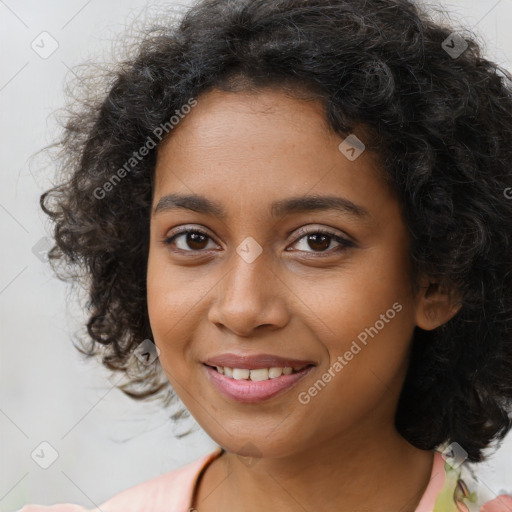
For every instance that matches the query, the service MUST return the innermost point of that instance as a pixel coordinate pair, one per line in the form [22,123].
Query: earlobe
[436,305]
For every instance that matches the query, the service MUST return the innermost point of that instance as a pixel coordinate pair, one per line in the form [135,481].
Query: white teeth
[275,372]
[257,374]
[239,374]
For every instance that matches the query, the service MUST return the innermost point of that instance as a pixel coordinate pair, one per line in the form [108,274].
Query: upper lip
[253,362]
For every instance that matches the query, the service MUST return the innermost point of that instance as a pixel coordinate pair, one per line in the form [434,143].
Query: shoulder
[171,491]
[61,507]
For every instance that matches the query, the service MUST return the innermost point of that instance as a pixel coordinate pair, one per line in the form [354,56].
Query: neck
[378,473]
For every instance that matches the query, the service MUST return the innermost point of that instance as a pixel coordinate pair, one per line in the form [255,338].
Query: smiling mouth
[255,385]
[257,374]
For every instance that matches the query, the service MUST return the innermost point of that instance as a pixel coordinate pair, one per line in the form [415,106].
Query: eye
[193,238]
[321,239]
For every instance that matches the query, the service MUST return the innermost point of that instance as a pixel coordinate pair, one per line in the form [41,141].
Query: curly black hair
[438,114]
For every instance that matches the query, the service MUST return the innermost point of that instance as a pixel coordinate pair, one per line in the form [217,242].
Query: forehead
[253,147]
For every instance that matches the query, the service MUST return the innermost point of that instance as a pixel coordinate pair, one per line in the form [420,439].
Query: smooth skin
[299,298]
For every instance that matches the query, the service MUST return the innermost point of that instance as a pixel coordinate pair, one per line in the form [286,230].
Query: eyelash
[344,243]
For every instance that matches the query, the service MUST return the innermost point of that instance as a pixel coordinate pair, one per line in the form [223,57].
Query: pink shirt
[449,489]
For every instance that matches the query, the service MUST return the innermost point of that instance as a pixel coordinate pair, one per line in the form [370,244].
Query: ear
[436,304]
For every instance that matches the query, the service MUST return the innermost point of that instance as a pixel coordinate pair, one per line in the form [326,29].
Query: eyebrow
[281,208]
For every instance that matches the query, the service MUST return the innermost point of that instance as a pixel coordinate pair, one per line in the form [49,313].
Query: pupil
[315,239]
[192,238]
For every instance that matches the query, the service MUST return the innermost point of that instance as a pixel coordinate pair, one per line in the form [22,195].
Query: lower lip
[248,391]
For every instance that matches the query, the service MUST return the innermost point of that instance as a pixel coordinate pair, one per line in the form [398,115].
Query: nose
[250,295]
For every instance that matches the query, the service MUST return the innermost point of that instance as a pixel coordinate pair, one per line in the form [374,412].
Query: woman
[295,214]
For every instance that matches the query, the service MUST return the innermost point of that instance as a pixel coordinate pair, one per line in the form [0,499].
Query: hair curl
[441,125]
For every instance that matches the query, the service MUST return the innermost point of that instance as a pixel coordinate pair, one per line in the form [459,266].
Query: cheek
[166,306]
[170,293]
[365,317]
[157,298]
[176,298]
[356,298]
[359,379]
[176,288]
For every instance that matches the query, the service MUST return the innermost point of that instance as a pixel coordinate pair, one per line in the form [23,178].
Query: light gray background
[106,442]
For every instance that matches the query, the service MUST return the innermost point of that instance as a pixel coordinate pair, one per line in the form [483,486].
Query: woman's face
[255,285]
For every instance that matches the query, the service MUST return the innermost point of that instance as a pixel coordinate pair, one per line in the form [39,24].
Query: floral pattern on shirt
[464,492]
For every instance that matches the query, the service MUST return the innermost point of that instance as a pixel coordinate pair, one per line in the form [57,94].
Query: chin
[259,445]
